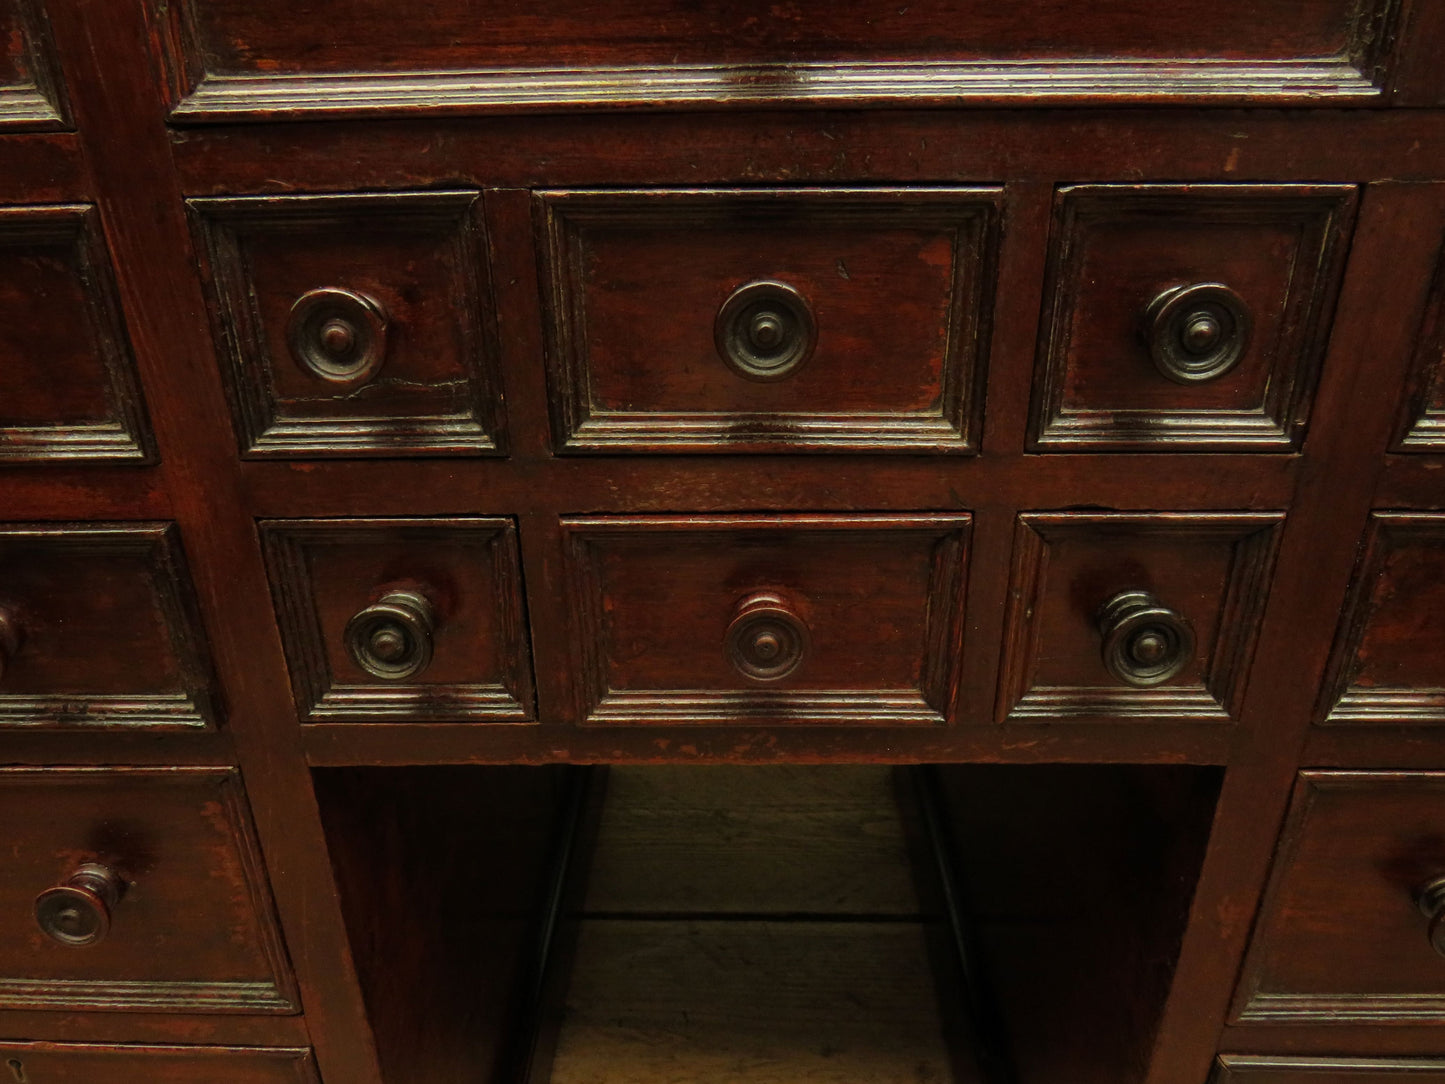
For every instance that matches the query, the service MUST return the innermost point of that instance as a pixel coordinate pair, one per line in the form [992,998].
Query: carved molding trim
[1422,425]
[321,698]
[1255,538]
[125,434]
[278,995]
[297,1060]
[970,215]
[597,704]
[194,705]
[222,224]
[1343,701]
[37,103]
[1297,1069]
[1323,215]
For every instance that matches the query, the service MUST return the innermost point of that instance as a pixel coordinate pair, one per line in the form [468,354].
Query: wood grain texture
[899,282]
[420,258]
[69,590]
[228,60]
[1340,938]
[1116,247]
[68,387]
[1213,570]
[325,571]
[879,595]
[194,929]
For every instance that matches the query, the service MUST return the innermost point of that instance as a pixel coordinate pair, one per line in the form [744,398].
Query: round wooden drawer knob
[1197,333]
[78,912]
[337,335]
[765,331]
[1432,905]
[766,640]
[1145,642]
[392,639]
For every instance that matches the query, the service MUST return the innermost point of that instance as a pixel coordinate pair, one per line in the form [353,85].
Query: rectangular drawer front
[786,320]
[517,53]
[74,1063]
[1341,937]
[192,929]
[792,619]
[98,628]
[1247,1069]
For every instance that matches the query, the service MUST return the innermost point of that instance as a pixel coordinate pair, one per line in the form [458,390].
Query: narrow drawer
[354,325]
[1388,664]
[68,388]
[398,620]
[1250,1069]
[1182,318]
[98,629]
[134,889]
[785,320]
[796,620]
[1352,927]
[234,59]
[75,1063]
[1127,616]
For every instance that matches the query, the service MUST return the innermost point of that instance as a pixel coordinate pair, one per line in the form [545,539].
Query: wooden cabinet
[405,407]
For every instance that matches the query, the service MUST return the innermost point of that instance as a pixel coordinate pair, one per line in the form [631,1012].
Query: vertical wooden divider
[118,109]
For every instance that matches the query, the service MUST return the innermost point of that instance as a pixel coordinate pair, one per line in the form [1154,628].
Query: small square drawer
[98,628]
[68,388]
[83,1063]
[1253,1069]
[1122,616]
[797,620]
[786,320]
[1352,927]
[354,325]
[402,619]
[1389,658]
[1187,318]
[134,889]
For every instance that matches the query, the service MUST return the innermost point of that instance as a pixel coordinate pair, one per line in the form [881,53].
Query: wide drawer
[792,620]
[75,1063]
[136,889]
[232,58]
[777,320]
[1250,1069]
[1352,927]
[98,628]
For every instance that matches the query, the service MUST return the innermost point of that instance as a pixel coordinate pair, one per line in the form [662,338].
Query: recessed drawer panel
[1389,659]
[1352,928]
[1123,616]
[136,889]
[1422,428]
[237,58]
[402,619]
[76,1063]
[354,325]
[800,320]
[68,389]
[28,96]
[1187,318]
[797,620]
[1252,1069]
[97,628]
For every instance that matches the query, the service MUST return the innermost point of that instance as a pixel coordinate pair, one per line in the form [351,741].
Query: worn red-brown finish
[989,449]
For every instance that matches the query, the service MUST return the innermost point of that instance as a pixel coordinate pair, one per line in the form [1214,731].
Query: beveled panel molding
[68,387]
[31,98]
[1206,574]
[1422,425]
[402,619]
[1186,318]
[865,317]
[782,620]
[354,325]
[98,628]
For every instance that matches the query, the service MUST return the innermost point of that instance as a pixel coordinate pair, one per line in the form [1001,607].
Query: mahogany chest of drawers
[402,402]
